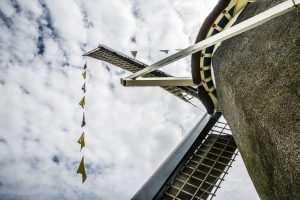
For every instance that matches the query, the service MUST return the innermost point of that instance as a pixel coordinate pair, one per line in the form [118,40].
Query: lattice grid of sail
[204,171]
[111,56]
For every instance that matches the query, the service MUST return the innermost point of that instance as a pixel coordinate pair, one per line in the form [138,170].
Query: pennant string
[166,51]
[81,140]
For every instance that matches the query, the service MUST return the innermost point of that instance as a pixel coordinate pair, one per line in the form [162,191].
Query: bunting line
[81,140]
[166,51]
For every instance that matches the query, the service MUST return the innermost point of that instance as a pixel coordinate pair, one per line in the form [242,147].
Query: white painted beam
[158,81]
[237,29]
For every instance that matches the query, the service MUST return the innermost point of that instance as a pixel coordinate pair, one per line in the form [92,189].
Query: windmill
[198,165]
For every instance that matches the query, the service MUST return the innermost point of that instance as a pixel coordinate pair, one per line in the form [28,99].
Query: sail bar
[172,165]
[237,29]
[158,81]
[202,172]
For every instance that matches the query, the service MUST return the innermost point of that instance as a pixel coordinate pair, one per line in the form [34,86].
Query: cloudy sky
[129,131]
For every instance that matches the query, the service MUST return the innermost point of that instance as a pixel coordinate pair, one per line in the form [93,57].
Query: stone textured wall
[258,84]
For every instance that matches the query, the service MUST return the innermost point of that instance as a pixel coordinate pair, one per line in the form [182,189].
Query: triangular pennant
[81,170]
[82,102]
[133,53]
[84,67]
[165,51]
[84,74]
[83,121]
[83,88]
[81,141]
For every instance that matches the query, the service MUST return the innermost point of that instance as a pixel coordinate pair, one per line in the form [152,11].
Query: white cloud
[129,132]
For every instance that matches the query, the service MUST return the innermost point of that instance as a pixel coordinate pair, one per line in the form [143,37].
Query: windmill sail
[200,176]
[196,167]
[111,56]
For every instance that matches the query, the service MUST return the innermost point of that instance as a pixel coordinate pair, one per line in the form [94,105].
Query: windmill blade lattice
[203,172]
[104,53]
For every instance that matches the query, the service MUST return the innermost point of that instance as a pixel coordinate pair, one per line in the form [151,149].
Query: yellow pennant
[81,141]
[81,169]
[82,102]
[84,74]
